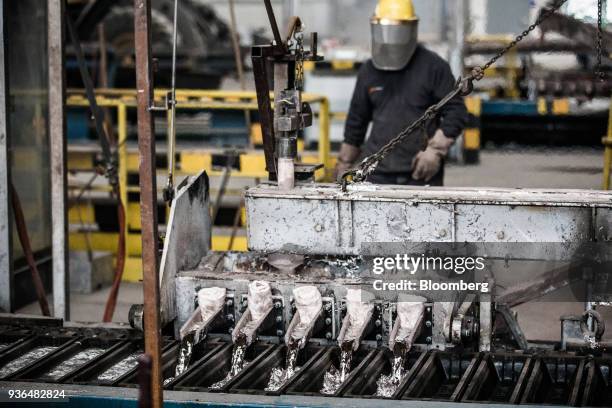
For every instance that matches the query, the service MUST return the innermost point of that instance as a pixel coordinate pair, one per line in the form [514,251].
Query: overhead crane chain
[464,87]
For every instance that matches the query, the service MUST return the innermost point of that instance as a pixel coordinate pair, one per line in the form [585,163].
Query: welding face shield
[394,34]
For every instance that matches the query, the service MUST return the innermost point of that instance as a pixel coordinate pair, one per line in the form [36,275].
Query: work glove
[428,162]
[346,158]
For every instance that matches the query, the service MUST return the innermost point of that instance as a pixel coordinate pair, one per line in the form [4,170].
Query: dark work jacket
[392,100]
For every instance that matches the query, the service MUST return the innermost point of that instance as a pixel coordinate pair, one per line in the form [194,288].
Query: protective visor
[393,43]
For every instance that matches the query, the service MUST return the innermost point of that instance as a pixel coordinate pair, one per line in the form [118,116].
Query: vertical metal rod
[172,119]
[458,49]
[275,32]
[239,64]
[144,381]
[607,141]
[6,277]
[324,139]
[259,56]
[148,195]
[57,141]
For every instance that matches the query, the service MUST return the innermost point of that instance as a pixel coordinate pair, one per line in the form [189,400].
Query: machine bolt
[279,333]
[230,317]
[343,306]
[328,336]
[245,303]
[318,228]
[428,323]
[501,235]
[442,233]
[428,340]
[327,307]
[377,322]
[229,303]
[279,319]
[278,305]
[230,330]
[328,321]
[378,337]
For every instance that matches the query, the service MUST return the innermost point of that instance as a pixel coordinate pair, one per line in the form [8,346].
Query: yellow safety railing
[205,100]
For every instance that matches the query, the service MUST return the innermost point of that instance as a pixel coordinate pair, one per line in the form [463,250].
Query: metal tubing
[148,195]
[6,277]
[275,31]
[324,139]
[59,180]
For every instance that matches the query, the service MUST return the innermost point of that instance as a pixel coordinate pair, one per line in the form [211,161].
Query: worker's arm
[454,115]
[427,163]
[357,121]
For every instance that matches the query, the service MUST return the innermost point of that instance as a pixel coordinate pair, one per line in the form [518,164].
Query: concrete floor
[500,167]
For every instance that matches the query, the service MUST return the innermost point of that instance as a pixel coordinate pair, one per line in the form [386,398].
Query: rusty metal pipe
[24,238]
[148,195]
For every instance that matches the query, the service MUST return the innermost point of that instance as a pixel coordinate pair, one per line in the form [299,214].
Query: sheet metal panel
[322,219]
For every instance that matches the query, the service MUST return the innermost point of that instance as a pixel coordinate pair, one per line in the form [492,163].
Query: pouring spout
[407,327]
[359,312]
[309,305]
[260,305]
[210,305]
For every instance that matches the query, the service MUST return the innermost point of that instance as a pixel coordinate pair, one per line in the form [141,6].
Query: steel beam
[148,194]
[457,54]
[6,279]
[58,155]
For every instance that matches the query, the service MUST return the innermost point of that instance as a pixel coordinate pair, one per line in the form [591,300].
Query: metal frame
[6,278]
[252,162]
[58,159]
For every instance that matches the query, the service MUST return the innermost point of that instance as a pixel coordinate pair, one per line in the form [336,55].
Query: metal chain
[598,70]
[464,87]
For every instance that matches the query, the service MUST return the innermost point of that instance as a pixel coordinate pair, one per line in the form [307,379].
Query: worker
[393,89]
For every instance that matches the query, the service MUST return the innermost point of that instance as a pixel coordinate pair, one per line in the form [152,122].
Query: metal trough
[364,384]
[499,378]
[310,381]
[555,381]
[64,363]
[200,377]
[443,377]
[257,378]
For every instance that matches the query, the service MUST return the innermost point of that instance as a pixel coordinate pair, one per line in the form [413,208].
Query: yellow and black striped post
[471,135]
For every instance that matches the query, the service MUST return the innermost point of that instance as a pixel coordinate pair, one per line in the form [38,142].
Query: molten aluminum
[184,357]
[119,369]
[334,378]
[25,359]
[387,384]
[78,360]
[279,375]
[238,364]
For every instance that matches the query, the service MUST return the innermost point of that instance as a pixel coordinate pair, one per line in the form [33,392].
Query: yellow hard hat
[395,10]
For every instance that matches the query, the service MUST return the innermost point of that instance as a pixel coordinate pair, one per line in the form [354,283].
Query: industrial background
[121,120]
